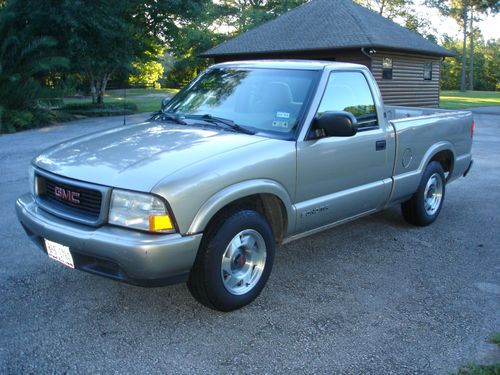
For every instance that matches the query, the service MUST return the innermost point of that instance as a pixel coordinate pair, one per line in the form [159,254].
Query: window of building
[387,68]
[428,70]
[349,91]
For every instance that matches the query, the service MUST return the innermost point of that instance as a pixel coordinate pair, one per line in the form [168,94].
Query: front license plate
[60,253]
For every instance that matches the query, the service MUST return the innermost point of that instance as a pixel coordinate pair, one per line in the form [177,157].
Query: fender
[237,191]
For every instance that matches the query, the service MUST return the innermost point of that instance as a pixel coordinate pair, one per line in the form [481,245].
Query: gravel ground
[373,296]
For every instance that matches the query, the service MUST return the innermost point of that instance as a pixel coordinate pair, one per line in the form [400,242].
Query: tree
[103,38]
[204,31]
[460,10]
[147,72]
[24,57]
[476,9]
[111,37]
[487,60]
[243,15]
[401,11]
[388,8]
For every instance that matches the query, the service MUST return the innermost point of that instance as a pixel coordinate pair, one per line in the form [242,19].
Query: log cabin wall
[408,87]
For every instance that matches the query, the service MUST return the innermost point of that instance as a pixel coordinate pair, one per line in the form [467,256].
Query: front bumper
[130,256]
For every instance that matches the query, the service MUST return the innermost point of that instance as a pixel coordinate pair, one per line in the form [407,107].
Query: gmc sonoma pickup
[248,156]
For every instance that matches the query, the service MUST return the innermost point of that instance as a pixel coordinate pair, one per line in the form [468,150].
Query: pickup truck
[248,156]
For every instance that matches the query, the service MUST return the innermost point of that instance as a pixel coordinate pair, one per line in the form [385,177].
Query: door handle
[380,145]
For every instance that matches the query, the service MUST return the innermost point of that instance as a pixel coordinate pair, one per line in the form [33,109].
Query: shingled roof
[327,25]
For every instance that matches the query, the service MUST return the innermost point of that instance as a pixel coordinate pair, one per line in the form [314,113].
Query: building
[405,65]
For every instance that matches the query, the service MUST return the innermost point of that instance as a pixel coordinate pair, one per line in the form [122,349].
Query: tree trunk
[471,51]
[464,48]
[93,90]
[102,88]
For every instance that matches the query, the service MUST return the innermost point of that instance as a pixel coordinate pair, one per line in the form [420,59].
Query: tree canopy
[51,45]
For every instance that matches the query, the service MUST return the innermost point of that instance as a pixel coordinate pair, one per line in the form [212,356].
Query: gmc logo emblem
[66,195]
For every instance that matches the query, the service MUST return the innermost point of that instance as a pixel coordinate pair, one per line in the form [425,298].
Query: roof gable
[327,24]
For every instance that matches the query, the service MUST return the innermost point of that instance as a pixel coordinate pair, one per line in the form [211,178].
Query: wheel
[424,206]
[234,261]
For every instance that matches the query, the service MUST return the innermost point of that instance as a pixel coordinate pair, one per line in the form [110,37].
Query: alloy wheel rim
[243,262]
[433,194]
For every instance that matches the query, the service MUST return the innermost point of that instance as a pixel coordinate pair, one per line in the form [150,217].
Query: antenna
[125,105]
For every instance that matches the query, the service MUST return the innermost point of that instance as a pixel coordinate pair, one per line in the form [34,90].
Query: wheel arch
[443,153]
[265,196]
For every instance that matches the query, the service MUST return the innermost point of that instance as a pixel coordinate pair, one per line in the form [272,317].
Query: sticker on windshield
[280,124]
[283,115]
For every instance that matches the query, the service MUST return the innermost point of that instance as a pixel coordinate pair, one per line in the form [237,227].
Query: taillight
[472,129]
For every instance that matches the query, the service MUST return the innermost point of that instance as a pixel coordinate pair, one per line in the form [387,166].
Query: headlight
[139,211]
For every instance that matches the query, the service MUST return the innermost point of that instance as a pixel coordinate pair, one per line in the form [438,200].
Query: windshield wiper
[167,116]
[221,122]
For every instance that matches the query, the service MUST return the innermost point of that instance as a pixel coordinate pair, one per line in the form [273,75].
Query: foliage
[243,15]
[230,16]
[107,38]
[388,8]
[479,370]
[152,41]
[194,40]
[486,62]
[147,72]
[474,369]
[464,12]
[24,57]
[403,12]
[495,338]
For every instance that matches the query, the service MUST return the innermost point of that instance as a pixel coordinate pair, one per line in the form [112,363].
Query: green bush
[100,110]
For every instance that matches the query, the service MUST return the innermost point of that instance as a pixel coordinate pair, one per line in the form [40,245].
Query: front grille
[69,198]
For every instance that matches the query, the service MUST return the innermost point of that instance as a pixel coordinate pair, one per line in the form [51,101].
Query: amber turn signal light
[160,223]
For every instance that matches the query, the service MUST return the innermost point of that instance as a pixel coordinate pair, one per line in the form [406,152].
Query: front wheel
[425,205]
[233,262]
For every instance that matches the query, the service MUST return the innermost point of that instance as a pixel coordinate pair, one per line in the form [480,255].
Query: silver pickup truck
[248,156]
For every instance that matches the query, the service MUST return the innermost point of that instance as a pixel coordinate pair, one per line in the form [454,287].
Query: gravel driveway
[373,296]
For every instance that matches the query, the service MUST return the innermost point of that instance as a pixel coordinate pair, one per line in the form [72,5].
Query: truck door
[341,177]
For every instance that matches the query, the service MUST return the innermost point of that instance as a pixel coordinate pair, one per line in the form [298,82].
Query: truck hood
[137,157]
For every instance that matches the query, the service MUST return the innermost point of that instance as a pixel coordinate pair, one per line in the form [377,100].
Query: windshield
[263,100]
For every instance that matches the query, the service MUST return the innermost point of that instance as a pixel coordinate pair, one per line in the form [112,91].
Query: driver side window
[349,92]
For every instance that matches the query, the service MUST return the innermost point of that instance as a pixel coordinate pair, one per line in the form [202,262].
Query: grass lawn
[458,99]
[147,100]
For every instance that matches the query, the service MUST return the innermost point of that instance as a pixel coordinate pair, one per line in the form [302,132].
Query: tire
[234,261]
[425,205]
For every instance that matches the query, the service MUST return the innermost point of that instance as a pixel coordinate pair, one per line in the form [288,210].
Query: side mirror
[335,124]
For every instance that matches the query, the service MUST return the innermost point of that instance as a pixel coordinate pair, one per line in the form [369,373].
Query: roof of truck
[287,64]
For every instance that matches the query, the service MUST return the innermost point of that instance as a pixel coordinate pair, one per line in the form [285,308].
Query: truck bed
[399,112]
[416,131]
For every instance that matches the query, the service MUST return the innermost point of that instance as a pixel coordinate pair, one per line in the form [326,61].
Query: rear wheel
[425,205]
[234,261]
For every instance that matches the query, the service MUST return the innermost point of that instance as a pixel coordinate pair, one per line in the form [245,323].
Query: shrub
[100,110]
